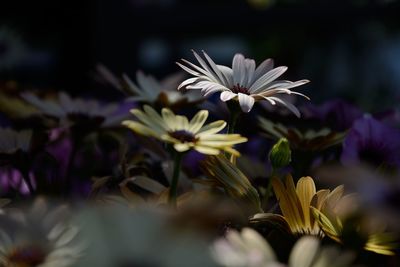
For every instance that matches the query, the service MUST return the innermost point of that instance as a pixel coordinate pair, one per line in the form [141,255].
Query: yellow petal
[182,147]
[140,128]
[198,121]
[306,190]
[212,128]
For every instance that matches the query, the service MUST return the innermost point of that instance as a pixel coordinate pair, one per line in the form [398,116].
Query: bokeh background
[348,49]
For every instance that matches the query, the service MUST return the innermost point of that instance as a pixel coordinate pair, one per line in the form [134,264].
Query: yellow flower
[184,134]
[296,202]
[331,223]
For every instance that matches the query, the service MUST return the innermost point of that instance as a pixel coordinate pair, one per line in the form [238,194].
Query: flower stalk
[173,191]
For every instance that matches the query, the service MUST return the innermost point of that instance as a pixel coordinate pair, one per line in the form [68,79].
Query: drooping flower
[249,249]
[372,142]
[39,237]
[243,82]
[184,134]
[236,184]
[295,203]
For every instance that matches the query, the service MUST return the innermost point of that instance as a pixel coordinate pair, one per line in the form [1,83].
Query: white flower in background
[150,90]
[39,237]
[249,249]
[72,110]
[243,82]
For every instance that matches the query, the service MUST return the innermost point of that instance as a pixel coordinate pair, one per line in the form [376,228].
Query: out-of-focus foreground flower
[250,249]
[39,237]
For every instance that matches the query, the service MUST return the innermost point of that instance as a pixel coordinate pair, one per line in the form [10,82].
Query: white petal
[188,70]
[206,67]
[246,102]
[227,95]
[266,79]
[216,69]
[228,73]
[187,82]
[263,68]
[238,68]
[289,105]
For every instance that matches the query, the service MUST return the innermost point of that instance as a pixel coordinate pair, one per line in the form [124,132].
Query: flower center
[183,136]
[240,89]
[26,256]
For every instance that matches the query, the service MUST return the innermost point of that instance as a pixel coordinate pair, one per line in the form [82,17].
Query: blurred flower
[296,202]
[243,82]
[337,114]
[331,213]
[249,249]
[309,140]
[16,149]
[151,91]
[39,237]
[15,107]
[372,142]
[84,115]
[144,237]
[244,249]
[229,177]
[182,134]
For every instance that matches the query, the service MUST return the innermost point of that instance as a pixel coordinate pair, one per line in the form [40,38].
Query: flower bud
[280,154]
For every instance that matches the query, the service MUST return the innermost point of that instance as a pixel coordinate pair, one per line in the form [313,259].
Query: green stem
[268,191]
[235,111]
[175,178]
[232,122]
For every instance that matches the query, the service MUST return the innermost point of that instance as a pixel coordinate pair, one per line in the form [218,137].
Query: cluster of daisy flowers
[172,177]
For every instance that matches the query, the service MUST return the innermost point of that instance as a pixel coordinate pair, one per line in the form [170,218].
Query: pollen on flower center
[26,256]
[183,136]
[240,89]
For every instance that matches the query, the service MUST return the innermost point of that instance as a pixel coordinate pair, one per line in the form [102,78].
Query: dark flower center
[240,89]
[183,136]
[27,256]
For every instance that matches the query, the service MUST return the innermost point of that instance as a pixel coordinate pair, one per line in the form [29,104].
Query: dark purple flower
[372,142]
[337,114]
[390,117]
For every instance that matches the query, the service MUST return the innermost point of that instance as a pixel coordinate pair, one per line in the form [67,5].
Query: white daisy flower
[243,82]
[39,237]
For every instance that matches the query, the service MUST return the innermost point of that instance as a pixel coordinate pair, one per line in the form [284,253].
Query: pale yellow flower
[183,134]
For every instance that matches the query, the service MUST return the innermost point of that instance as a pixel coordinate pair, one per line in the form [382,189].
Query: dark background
[348,49]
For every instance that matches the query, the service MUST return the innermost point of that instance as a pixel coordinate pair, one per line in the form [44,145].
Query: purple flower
[372,142]
[337,114]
